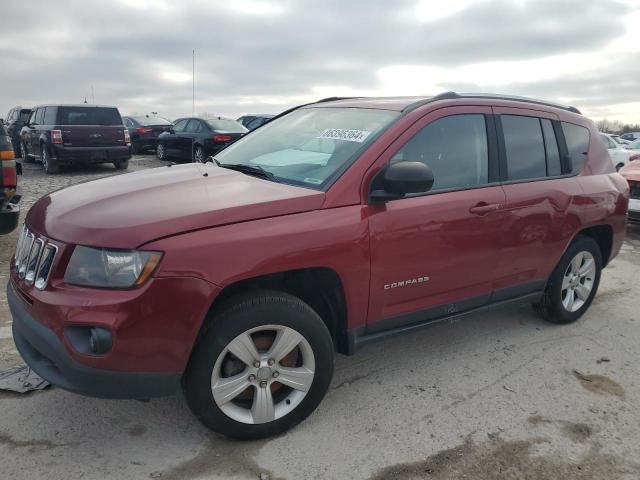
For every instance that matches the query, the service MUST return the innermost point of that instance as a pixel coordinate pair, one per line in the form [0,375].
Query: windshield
[310,146]
[226,125]
[152,121]
[88,116]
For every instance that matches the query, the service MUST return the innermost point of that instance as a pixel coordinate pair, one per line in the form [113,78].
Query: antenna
[193,84]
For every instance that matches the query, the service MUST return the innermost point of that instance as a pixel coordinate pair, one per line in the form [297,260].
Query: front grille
[635,190]
[34,258]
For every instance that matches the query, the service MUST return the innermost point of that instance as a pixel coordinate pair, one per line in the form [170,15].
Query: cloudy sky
[264,56]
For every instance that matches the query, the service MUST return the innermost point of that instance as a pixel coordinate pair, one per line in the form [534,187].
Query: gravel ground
[501,395]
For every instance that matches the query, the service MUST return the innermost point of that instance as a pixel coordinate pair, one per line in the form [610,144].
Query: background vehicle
[619,155]
[633,146]
[9,194]
[71,134]
[632,174]
[336,225]
[16,119]
[144,131]
[619,140]
[194,139]
[631,136]
[255,120]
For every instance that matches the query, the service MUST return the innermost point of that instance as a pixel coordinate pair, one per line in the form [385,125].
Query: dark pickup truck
[72,134]
[9,194]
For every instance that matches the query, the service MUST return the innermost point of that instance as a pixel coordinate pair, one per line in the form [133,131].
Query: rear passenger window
[524,147]
[554,167]
[50,116]
[577,138]
[455,148]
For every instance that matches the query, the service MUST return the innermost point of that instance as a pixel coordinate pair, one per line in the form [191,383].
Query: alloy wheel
[198,155]
[45,158]
[578,281]
[160,151]
[263,374]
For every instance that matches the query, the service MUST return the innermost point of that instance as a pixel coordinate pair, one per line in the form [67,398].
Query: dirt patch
[599,384]
[578,432]
[497,459]
[31,444]
[227,458]
[137,430]
[612,294]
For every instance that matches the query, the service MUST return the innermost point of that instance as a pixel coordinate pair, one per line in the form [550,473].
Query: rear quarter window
[577,139]
[89,116]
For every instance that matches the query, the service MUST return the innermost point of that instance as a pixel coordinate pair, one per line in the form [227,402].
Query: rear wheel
[619,166]
[262,366]
[573,283]
[121,165]
[48,164]
[198,154]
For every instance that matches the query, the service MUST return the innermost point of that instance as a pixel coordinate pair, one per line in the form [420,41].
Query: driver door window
[455,148]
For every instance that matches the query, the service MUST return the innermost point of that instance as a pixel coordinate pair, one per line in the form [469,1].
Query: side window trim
[565,158]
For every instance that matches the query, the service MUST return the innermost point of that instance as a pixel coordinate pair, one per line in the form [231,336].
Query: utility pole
[93,98]
[193,84]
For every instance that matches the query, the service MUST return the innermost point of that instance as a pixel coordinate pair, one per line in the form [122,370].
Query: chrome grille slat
[34,258]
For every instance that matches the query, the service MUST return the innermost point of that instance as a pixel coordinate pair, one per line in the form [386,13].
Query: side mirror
[403,178]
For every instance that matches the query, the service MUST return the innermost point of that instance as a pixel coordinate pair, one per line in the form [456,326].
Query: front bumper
[43,351]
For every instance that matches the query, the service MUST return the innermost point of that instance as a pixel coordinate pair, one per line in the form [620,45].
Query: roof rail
[454,95]
[333,99]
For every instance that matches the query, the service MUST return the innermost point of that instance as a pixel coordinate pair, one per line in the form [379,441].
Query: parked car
[9,193]
[72,134]
[631,136]
[16,119]
[144,131]
[619,140]
[632,174]
[335,225]
[195,139]
[255,120]
[634,146]
[619,155]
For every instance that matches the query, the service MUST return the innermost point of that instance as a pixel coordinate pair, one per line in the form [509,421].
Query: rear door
[436,254]
[171,141]
[91,126]
[186,138]
[541,209]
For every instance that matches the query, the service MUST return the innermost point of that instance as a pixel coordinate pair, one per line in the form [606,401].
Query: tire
[121,165]
[161,151]
[134,149]
[619,166]
[49,165]
[265,318]
[567,305]
[23,152]
[198,155]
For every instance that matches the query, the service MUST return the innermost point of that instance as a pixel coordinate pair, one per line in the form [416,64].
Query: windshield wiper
[255,170]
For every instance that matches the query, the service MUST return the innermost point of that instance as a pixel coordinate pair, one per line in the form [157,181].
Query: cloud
[255,55]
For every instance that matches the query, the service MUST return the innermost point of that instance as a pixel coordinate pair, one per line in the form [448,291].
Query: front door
[437,254]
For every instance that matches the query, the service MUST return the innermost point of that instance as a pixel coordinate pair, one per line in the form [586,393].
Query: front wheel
[260,367]
[23,152]
[573,283]
[161,151]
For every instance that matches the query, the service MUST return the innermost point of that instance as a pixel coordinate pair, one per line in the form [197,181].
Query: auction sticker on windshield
[344,134]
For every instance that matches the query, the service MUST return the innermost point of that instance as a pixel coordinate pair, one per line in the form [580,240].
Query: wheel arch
[603,236]
[320,287]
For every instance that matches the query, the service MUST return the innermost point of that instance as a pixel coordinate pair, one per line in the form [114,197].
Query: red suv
[334,225]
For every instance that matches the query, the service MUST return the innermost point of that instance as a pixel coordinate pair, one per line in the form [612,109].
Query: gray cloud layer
[272,61]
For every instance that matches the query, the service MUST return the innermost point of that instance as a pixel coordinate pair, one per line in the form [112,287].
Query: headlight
[98,267]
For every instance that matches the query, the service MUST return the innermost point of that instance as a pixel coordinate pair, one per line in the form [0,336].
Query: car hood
[126,211]
[631,171]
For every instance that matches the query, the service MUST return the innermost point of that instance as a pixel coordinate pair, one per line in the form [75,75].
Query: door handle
[482,208]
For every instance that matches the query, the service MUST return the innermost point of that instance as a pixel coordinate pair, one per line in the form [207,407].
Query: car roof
[403,104]
[84,105]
